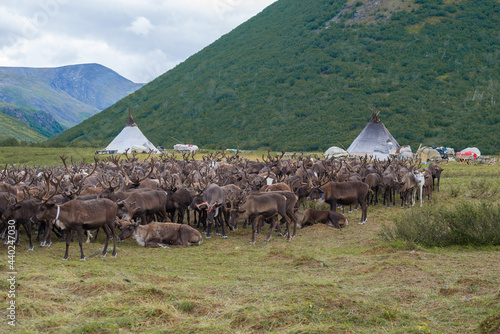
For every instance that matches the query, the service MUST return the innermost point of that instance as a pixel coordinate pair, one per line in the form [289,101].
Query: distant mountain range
[303,75]
[49,100]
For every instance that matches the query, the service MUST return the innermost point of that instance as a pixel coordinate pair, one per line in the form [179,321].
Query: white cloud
[141,26]
[47,33]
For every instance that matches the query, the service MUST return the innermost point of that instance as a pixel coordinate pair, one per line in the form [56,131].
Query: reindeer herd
[165,201]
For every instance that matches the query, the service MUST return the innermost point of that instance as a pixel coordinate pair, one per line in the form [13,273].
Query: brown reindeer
[144,204]
[157,234]
[435,170]
[328,217]
[343,193]
[267,205]
[80,215]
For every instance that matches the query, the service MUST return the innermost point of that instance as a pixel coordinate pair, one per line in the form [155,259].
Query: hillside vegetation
[52,99]
[37,120]
[12,130]
[303,75]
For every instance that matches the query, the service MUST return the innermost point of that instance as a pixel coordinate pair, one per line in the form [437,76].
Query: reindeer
[407,187]
[435,170]
[343,193]
[156,234]
[328,217]
[214,199]
[80,215]
[145,204]
[21,212]
[266,205]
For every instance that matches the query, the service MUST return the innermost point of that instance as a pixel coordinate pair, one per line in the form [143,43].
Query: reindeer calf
[328,217]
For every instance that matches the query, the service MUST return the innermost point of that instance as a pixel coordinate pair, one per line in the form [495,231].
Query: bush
[483,189]
[11,141]
[465,224]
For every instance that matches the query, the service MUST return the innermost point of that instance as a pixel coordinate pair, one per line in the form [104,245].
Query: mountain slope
[69,93]
[303,75]
[38,120]
[13,128]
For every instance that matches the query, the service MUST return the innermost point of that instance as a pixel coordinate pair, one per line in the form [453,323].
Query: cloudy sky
[139,39]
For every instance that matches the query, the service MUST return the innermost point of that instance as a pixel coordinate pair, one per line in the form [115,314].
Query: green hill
[303,76]
[13,128]
[38,120]
[69,94]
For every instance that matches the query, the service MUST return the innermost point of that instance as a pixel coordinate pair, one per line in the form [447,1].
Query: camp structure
[425,153]
[335,152]
[132,139]
[185,148]
[375,140]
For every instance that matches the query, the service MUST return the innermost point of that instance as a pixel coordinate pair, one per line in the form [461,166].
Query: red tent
[466,154]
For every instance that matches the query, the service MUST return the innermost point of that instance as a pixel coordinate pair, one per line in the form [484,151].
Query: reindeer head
[127,228]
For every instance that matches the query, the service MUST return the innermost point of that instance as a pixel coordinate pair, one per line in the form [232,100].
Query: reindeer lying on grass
[327,217]
[157,234]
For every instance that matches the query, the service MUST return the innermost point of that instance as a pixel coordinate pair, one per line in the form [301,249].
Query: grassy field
[324,281]
[34,156]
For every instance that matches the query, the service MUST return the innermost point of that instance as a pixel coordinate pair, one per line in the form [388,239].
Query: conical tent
[374,140]
[132,139]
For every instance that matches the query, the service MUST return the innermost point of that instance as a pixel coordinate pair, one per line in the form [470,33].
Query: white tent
[374,140]
[131,138]
[404,152]
[472,149]
[185,148]
[335,152]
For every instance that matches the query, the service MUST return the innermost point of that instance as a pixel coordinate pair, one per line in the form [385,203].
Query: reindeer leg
[294,220]
[274,221]
[96,233]
[68,239]
[27,228]
[89,236]
[364,209]
[112,229]
[80,242]
[221,220]
[107,230]
[210,222]
[254,223]
[47,238]
[289,237]
[18,234]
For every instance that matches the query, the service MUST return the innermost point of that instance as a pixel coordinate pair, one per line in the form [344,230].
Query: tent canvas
[131,138]
[472,149]
[426,153]
[374,140]
[335,152]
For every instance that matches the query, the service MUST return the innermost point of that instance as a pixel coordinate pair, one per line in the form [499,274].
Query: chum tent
[374,140]
[132,139]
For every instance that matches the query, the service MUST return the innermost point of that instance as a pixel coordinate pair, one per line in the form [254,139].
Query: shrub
[465,224]
[483,189]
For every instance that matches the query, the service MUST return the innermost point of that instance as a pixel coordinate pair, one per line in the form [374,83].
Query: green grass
[324,281]
[34,156]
